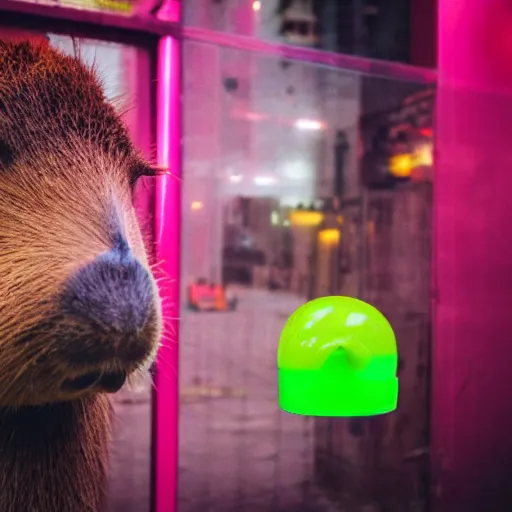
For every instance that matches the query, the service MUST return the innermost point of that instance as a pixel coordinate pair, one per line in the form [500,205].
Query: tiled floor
[238,451]
[129,486]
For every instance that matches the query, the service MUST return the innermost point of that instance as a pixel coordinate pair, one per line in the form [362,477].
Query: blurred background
[300,180]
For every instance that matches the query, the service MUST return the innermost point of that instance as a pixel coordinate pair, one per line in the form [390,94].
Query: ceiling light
[308,124]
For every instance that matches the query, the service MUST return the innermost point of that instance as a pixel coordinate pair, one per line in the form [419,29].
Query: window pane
[299,181]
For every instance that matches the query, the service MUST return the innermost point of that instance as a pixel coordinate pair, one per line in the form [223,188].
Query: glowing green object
[337,356]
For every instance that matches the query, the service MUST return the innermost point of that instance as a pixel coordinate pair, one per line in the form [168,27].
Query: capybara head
[79,308]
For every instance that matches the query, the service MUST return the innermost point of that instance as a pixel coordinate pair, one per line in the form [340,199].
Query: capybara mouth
[112,382]
[100,381]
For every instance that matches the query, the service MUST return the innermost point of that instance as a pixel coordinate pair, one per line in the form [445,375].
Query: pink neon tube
[167,238]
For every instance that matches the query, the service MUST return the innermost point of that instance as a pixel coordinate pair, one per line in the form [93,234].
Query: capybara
[80,311]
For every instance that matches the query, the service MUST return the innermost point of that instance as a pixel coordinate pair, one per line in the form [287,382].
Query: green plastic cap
[337,356]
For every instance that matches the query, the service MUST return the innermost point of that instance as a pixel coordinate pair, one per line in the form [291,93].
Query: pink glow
[393,70]
[244,18]
[167,23]
[167,237]
[471,445]
[301,123]
[170,11]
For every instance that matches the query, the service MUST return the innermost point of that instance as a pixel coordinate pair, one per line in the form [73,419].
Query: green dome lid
[337,356]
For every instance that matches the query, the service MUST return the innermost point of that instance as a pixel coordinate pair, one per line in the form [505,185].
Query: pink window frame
[167,248]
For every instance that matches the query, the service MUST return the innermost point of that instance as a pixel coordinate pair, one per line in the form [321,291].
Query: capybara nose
[112,298]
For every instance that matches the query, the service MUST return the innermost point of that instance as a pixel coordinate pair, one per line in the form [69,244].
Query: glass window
[372,28]
[299,181]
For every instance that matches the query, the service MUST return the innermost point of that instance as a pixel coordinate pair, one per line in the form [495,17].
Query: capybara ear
[15,34]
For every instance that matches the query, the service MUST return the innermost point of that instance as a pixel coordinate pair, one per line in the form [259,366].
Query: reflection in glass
[292,190]
[377,29]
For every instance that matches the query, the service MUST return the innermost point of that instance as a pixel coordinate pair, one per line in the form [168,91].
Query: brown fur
[67,166]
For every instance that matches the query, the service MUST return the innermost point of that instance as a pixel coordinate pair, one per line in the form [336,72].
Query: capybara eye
[139,170]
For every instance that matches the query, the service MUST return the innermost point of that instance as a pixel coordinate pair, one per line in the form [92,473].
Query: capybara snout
[79,307]
[112,297]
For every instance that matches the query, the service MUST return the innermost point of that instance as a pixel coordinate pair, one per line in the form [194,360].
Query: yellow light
[329,236]
[305,218]
[196,205]
[114,5]
[423,156]
[256,6]
[401,165]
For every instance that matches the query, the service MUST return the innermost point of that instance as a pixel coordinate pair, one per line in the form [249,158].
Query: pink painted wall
[472,359]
